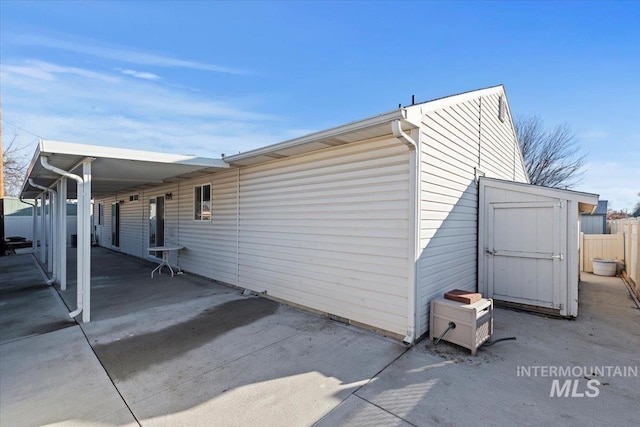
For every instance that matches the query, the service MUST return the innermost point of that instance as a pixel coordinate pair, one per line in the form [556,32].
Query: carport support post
[34,238]
[50,234]
[51,258]
[42,234]
[85,236]
[62,243]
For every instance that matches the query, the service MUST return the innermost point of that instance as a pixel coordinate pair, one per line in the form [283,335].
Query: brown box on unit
[464,297]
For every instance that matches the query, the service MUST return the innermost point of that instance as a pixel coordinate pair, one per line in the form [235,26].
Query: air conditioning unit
[467,325]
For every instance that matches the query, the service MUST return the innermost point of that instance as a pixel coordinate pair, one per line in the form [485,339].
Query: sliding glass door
[156,223]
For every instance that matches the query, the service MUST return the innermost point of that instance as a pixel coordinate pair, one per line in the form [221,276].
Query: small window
[202,203]
[100,214]
[134,197]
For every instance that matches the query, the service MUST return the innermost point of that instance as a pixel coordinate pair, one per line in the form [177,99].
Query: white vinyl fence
[23,226]
[608,246]
[629,228]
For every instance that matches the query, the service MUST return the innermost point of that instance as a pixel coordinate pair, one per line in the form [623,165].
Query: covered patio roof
[113,169]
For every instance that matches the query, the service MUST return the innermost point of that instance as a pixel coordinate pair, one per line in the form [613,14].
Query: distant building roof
[601,209]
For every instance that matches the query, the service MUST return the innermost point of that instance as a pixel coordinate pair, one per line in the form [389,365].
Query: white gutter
[414,182]
[80,195]
[328,133]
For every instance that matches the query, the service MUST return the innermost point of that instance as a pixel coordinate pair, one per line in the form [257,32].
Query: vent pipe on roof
[81,219]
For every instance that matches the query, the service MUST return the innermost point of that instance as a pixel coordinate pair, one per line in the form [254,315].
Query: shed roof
[586,201]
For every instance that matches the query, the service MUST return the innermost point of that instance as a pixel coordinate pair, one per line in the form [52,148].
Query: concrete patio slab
[292,382]
[28,306]
[189,351]
[56,378]
[357,412]
[204,335]
[445,385]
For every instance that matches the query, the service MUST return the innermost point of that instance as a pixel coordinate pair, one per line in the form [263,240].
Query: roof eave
[399,114]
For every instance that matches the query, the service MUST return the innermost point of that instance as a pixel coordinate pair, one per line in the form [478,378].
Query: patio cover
[113,169]
[62,170]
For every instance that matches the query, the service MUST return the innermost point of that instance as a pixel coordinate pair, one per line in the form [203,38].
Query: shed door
[525,253]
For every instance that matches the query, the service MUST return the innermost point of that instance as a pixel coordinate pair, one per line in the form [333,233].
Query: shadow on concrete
[184,348]
[28,306]
[128,357]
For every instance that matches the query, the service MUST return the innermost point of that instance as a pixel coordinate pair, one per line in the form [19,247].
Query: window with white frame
[202,202]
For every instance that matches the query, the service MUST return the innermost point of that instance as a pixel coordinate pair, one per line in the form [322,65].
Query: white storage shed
[528,245]
[367,221]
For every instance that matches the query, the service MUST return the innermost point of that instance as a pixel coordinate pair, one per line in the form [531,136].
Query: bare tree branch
[14,164]
[552,157]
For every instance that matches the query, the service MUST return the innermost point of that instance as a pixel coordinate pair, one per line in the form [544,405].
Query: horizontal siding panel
[211,246]
[328,230]
[339,246]
[317,264]
[456,141]
[363,285]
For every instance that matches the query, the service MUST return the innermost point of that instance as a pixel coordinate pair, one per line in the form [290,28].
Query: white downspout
[43,234]
[62,196]
[80,225]
[396,127]
[51,241]
[34,216]
[86,239]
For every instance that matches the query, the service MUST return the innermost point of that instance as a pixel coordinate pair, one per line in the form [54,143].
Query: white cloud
[40,70]
[84,106]
[141,74]
[93,48]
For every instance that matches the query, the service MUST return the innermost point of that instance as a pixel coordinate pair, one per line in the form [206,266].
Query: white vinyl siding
[210,246]
[329,231]
[500,157]
[131,227]
[456,141]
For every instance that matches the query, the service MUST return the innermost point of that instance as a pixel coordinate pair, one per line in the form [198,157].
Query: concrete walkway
[444,385]
[183,351]
[188,351]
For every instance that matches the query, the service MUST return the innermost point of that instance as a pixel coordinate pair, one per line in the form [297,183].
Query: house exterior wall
[458,143]
[326,230]
[211,249]
[329,230]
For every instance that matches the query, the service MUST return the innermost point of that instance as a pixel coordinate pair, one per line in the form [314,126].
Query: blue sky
[208,78]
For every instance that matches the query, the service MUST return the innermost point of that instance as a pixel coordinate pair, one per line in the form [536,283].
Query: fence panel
[629,228]
[23,226]
[609,246]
